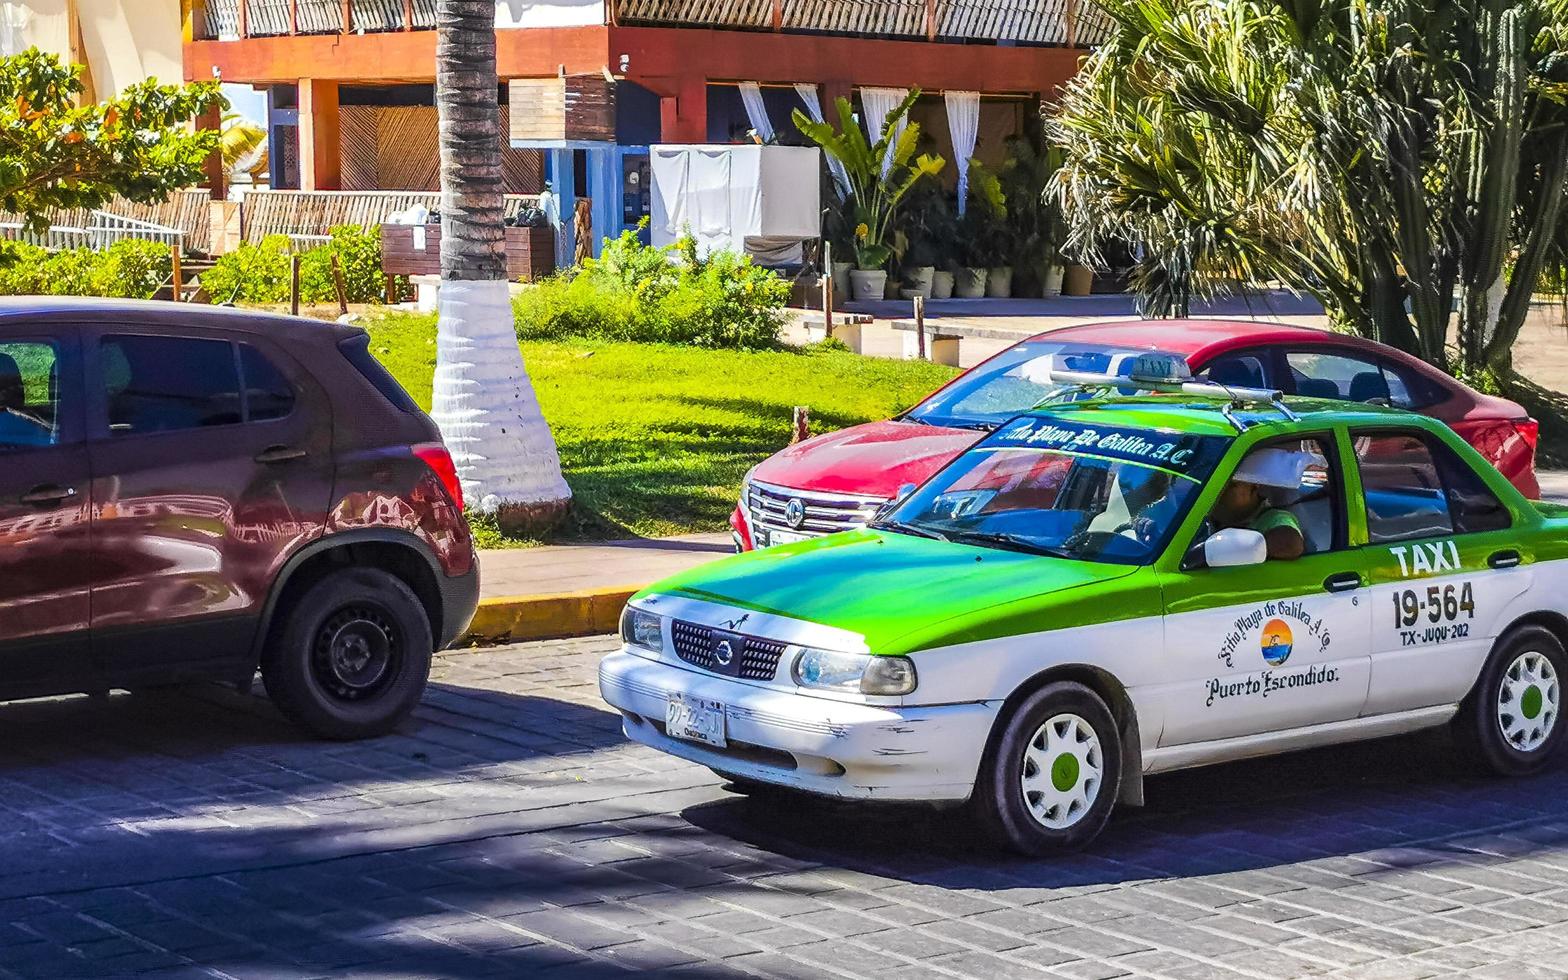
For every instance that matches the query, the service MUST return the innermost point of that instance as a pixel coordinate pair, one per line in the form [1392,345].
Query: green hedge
[260,273]
[129,269]
[667,295]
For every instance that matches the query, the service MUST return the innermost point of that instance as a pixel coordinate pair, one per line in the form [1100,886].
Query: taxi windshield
[1055,487]
[1019,379]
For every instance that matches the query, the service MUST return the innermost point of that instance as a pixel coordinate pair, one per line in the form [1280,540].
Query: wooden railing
[233,19]
[308,215]
[185,214]
[1070,22]
[1077,23]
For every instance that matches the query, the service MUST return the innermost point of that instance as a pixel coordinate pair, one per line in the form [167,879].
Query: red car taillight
[1530,431]
[435,456]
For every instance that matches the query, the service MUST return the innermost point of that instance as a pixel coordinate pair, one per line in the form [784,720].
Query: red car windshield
[1017,380]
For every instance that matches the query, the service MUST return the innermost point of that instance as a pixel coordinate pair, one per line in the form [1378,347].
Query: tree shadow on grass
[1241,816]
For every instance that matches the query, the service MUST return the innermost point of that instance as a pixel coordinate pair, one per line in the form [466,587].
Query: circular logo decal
[1276,642]
[795,512]
[723,653]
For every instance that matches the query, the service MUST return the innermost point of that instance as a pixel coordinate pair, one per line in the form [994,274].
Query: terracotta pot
[868,285]
[970,283]
[942,285]
[999,283]
[1079,280]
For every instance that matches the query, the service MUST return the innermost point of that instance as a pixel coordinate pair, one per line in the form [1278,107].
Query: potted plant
[922,224]
[881,176]
[982,236]
[1034,214]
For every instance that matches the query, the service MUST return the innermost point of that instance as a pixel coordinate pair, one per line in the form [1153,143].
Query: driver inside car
[1244,503]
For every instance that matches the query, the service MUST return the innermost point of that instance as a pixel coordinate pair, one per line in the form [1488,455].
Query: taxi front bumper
[833,748]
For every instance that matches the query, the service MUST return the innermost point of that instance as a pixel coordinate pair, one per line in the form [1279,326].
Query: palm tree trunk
[483,401]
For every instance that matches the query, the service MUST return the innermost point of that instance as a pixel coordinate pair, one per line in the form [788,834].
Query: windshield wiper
[1010,542]
[899,527]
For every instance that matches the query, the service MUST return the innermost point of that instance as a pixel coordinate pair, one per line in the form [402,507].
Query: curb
[518,619]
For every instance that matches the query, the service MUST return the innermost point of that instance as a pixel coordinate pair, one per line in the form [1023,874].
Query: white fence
[101,230]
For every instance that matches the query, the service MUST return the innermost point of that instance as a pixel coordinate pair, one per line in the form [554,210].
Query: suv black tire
[352,655]
[1019,821]
[1533,711]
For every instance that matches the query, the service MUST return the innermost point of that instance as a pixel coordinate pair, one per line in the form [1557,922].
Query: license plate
[785,537]
[695,719]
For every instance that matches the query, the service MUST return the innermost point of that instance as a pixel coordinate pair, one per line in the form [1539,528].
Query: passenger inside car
[1246,500]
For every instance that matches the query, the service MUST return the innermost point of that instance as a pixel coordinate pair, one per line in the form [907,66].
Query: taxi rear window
[1192,456]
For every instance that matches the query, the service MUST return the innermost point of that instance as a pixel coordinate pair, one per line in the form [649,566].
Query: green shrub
[668,295]
[253,273]
[131,269]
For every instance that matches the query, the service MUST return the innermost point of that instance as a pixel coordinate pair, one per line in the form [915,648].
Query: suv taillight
[1530,431]
[439,460]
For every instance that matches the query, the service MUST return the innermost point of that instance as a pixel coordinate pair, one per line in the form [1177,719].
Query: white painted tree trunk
[485,405]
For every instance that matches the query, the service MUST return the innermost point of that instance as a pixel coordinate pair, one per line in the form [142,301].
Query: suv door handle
[48,493]
[1343,582]
[280,454]
[1508,558]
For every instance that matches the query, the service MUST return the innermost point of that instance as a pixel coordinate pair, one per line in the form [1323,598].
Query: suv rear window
[356,350]
[164,384]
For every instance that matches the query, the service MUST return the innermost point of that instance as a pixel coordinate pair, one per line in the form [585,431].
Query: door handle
[48,493]
[1507,558]
[280,454]
[1343,582]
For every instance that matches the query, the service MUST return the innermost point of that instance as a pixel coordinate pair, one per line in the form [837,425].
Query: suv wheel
[1050,778]
[352,657]
[1512,722]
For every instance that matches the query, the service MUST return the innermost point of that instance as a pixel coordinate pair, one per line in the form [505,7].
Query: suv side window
[166,384]
[29,394]
[1418,488]
[268,394]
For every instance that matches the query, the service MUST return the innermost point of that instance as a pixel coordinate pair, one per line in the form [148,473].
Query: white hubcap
[1527,701]
[1063,769]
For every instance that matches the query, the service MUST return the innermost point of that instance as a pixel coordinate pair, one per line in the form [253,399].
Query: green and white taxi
[1116,587]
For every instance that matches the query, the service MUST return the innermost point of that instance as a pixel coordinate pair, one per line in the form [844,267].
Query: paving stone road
[511,831]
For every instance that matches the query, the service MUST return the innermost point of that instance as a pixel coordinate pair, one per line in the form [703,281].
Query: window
[356,350]
[1419,488]
[1237,371]
[1314,500]
[1352,377]
[29,395]
[268,395]
[164,384]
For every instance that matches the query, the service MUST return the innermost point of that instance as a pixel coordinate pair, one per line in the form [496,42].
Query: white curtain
[879,104]
[756,110]
[963,121]
[808,94]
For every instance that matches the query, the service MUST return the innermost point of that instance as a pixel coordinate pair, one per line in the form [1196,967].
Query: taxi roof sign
[1171,374]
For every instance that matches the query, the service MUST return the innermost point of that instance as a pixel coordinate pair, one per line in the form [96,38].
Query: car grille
[759,657]
[825,513]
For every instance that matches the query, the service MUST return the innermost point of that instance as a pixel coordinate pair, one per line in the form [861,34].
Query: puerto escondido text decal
[1279,629]
[1187,455]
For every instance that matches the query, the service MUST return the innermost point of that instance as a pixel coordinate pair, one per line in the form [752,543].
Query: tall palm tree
[484,401]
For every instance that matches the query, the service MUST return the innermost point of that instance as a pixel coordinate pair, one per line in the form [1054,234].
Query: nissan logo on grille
[795,512]
[723,653]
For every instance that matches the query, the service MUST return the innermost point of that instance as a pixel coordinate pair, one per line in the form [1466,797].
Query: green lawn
[654,438]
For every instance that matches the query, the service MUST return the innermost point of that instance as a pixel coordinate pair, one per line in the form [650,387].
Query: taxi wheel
[1051,777]
[1512,723]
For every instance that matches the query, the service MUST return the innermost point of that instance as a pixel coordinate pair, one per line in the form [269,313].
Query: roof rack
[1171,375]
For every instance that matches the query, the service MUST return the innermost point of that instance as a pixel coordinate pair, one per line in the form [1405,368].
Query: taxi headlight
[640,628]
[854,673]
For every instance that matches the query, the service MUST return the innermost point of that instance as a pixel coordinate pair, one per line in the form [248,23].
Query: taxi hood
[898,591]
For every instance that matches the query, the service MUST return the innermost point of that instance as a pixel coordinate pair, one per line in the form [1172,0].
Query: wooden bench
[942,338]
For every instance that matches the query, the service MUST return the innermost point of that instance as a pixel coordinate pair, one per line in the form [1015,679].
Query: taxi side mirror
[1231,547]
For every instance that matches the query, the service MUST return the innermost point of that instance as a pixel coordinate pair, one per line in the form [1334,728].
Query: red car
[837,481]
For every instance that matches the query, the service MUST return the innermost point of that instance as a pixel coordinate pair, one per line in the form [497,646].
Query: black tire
[1508,725]
[352,655]
[1000,803]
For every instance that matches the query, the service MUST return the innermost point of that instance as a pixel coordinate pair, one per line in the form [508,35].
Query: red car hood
[872,459]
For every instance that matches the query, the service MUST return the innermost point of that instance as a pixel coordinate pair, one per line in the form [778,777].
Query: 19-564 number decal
[1447,610]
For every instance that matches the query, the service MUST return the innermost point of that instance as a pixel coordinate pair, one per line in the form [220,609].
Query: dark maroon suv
[188,493]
